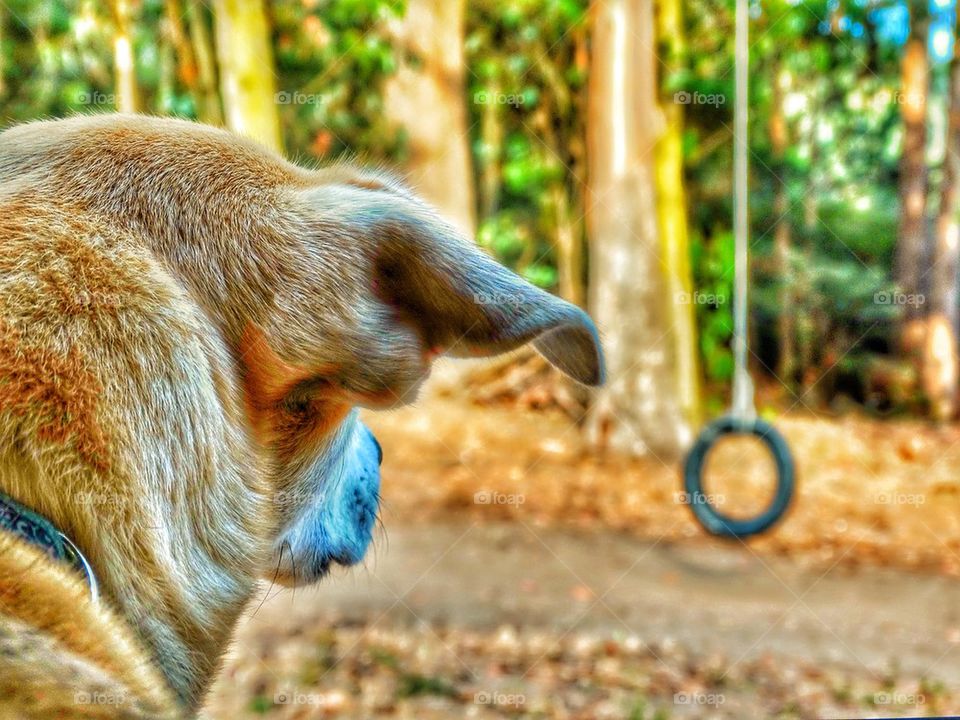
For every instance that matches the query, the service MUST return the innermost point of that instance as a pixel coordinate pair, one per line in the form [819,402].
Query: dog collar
[35,529]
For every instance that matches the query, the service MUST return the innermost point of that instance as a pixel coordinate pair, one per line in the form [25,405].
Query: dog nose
[376,444]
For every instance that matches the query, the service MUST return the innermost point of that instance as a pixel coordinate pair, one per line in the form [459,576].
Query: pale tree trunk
[672,216]
[912,240]
[782,241]
[246,70]
[124,69]
[427,99]
[210,111]
[638,410]
[940,344]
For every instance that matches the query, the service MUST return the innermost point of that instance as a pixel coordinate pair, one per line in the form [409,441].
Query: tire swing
[742,418]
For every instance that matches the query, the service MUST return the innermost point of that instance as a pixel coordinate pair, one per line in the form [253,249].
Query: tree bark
[246,70]
[940,342]
[672,216]
[427,99]
[124,68]
[912,240]
[638,411]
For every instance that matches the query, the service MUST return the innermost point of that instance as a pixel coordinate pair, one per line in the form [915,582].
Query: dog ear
[464,303]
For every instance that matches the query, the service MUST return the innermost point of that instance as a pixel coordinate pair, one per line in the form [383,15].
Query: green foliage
[528,61]
[411,685]
[527,77]
[713,277]
[333,59]
[838,173]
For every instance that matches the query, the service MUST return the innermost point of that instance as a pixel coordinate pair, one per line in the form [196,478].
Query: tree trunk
[124,69]
[940,343]
[569,247]
[427,99]
[638,411]
[246,70]
[672,216]
[490,165]
[186,65]
[782,241]
[912,241]
[209,101]
[808,343]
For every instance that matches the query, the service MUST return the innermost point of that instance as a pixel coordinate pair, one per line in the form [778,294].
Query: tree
[638,411]
[426,99]
[194,57]
[672,216]
[125,74]
[940,371]
[912,235]
[782,239]
[245,59]
[211,111]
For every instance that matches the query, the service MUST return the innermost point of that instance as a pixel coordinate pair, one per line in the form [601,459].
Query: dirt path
[687,625]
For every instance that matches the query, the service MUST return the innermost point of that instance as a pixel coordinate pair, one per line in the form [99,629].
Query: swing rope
[743,407]
[742,419]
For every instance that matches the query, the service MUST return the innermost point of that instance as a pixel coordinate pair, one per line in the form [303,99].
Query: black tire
[707,515]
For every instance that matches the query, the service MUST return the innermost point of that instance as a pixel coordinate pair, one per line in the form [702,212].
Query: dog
[188,326]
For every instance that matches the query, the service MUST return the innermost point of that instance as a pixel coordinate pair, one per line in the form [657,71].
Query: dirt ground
[488,620]
[519,576]
[867,491]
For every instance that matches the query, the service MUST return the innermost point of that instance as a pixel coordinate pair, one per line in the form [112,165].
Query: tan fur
[186,325]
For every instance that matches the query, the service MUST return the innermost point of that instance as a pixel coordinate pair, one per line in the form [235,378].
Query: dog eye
[298,401]
[296,406]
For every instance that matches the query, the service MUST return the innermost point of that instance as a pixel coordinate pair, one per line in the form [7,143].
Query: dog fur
[187,326]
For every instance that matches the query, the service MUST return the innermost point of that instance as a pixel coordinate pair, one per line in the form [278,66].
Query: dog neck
[185,597]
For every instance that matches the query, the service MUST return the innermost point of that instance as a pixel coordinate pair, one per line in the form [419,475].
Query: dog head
[335,288]
[381,287]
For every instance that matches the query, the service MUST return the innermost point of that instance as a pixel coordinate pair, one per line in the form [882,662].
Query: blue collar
[31,527]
